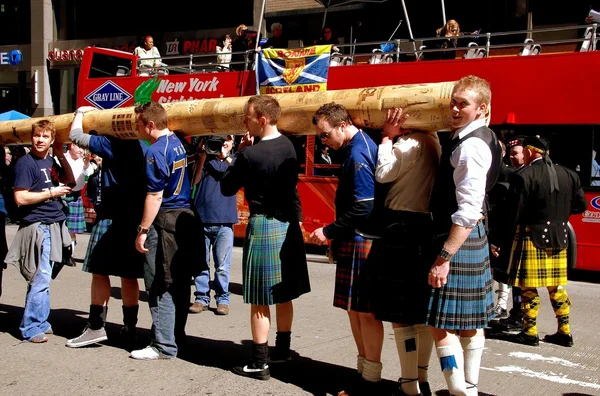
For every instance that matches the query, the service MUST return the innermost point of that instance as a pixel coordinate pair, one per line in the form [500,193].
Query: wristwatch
[142,230]
[446,255]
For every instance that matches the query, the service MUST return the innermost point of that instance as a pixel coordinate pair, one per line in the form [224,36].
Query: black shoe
[522,338]
[71,262]
[280,355]
[512,323]
[565,340]
[253,370]
[424,388]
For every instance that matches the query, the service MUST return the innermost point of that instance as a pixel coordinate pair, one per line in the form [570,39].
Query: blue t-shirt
[35,175]
[166,169]
[123,184]
[211,205]
[357,178]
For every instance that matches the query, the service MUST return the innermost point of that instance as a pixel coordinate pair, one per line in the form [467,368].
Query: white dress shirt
[410,165]
[471,161]
[79,172]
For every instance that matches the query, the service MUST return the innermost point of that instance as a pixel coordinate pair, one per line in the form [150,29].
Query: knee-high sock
[372,371]
[473,349]
[97,316]
[562,308]
[452,361]
[530,306]
[502,293]
[130,317]
[407,344]
[360,363]
[425,347]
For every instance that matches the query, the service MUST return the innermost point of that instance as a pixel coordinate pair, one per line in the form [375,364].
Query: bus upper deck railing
[409,48]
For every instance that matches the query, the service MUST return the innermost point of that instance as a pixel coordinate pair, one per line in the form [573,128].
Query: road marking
[536,356]
[552,377]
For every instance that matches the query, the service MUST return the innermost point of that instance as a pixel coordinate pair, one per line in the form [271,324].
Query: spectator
[278,40]
[218,214]
[149,55]
[224,52]
[327,39]
[239,46]
[595,170]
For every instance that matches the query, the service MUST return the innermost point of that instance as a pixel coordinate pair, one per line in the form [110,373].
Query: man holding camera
[218,214]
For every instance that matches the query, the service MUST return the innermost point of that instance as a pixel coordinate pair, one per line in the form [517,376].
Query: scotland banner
[292,70]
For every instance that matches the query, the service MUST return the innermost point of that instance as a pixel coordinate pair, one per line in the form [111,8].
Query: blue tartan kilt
[466,302]
[352,277]
[75,217]
[274,263]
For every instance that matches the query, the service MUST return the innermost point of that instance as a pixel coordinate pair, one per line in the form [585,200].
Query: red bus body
[544,90]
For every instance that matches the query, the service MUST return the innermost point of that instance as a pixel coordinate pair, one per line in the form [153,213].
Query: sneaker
[49,331]
[38,338]
[198,307]
[148,353]
[222,309]
[565,340]
[280,355]
[253,370]
[88,337]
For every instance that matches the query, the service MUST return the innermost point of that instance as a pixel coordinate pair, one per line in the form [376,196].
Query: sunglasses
[325,135]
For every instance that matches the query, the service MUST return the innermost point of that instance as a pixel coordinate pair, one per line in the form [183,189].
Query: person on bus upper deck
[242,43]
[274,264]
[327,39]
[402,255]
[541,199]
[462,300]
[595,170]
[278,40]
[147,52]
[351,246]
[224,52]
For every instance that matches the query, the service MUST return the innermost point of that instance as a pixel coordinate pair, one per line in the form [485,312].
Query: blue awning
[12,115]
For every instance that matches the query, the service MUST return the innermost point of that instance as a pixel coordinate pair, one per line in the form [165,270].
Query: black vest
[443,198]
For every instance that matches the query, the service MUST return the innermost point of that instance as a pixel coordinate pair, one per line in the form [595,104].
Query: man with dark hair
[274,265]
[354,202]
[168,234]
[42,229]
[111,250]
[462,299]
[541,199]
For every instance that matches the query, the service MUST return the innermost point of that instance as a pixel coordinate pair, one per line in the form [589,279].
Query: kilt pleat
[274,262]
[466,301]
[75,217]
[352,275]
[533,267]
[98,231]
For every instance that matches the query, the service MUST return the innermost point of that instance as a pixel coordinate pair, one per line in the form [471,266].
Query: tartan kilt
[111,251]
[533,267]
[274,263]
[75,217]
[466,302]
[351,274]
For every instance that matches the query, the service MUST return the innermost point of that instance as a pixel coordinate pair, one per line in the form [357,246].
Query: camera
[213,145]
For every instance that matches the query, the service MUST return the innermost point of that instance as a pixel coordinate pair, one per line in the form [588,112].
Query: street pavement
[325,353]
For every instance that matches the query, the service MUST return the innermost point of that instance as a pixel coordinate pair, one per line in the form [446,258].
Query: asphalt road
[321,338]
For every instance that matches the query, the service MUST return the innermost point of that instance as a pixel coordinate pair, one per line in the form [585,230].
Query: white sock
[360,361]
[502,294]
[425,348]
[473,349]
[407,344]
[452,361]
[372,371]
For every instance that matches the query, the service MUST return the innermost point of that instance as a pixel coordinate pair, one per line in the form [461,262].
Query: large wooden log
[427,104]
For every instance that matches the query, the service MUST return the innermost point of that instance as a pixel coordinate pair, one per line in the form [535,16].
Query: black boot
[281,352]
[258,367]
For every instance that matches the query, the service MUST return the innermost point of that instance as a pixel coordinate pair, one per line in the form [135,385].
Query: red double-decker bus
[544,88]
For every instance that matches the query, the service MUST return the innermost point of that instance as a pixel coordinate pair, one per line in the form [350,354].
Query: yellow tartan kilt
[533,267]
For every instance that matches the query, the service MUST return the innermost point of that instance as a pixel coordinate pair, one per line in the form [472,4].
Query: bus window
[104,66]
[327,161]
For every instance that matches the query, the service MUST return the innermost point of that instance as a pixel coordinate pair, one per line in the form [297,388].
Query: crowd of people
[410,235]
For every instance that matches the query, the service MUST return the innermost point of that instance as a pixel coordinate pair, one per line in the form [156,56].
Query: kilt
[274,264]
[352,275]
[466,302]
[75,217]
[533,267]
[111,251]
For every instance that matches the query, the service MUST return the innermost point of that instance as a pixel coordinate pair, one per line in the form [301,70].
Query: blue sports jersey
[166,169]
[35,174]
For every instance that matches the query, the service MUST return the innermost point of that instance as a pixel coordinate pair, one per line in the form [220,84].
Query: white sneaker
[148,353]
[88,337]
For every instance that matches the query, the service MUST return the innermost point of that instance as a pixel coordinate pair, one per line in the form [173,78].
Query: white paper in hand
[595,15]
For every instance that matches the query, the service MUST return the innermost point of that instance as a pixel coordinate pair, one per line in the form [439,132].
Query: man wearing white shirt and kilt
[462,300]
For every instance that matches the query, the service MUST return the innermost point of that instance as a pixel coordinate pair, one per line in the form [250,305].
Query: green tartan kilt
[533,267]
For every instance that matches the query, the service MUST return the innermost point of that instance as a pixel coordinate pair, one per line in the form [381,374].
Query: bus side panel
[587,229]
